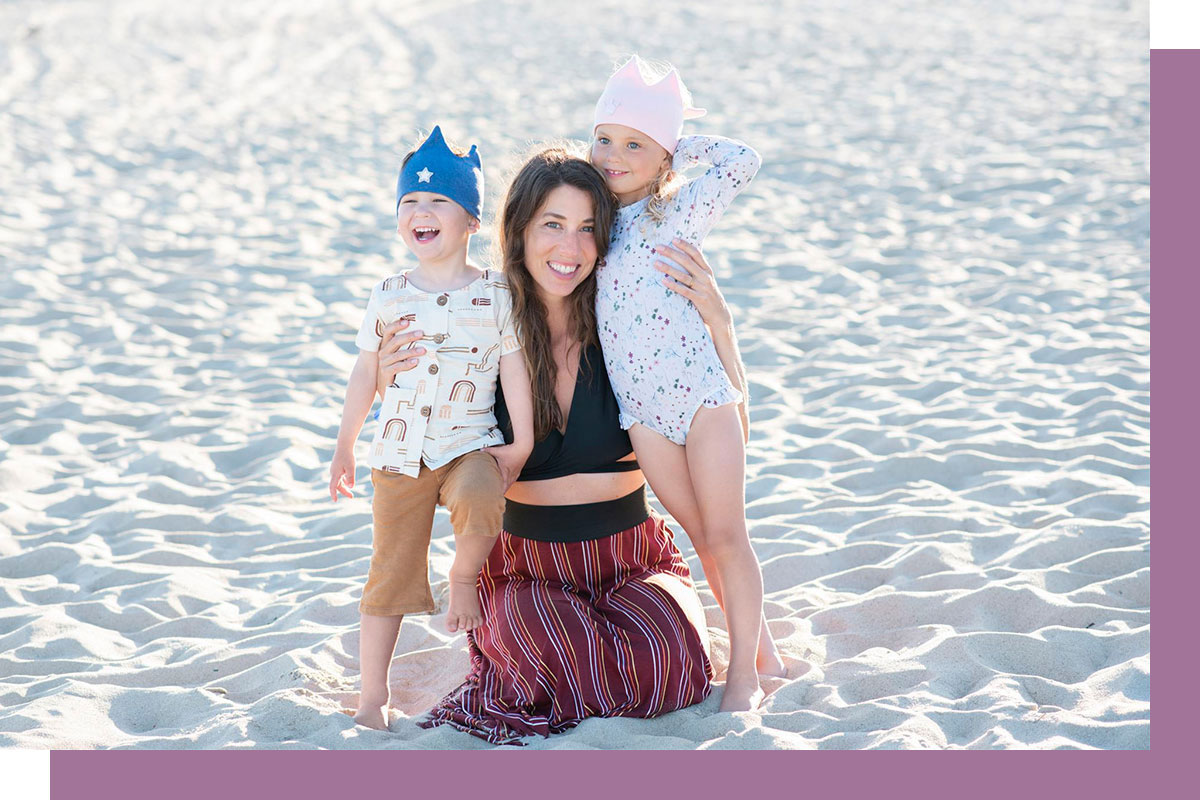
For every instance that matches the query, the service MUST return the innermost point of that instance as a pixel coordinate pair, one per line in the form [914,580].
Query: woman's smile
[567,270]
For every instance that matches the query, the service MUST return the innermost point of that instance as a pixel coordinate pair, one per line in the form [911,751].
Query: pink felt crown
[656,109]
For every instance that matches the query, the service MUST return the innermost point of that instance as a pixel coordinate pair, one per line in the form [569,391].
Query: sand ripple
[940,279]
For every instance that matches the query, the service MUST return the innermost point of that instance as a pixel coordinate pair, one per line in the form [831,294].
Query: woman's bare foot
[372,716]
[741,693]
[464,613]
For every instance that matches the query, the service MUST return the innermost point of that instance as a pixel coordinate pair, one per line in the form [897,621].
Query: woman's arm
[393,358]
[518,398]
[689,275]
[725,341]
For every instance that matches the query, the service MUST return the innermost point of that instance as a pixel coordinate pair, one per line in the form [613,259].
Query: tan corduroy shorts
[470,486]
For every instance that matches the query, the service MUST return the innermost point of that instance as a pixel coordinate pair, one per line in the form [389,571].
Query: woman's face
[560,242]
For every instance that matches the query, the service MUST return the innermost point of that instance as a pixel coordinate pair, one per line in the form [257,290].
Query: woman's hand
[393,358]
[511,458]
[689,275]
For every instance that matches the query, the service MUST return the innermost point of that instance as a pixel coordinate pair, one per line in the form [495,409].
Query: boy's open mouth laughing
[425,233]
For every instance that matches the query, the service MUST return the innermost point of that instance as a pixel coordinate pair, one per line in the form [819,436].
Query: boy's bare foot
[372,716]
[741,693]
[464,613]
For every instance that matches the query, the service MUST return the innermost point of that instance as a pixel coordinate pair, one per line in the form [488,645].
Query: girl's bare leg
[672,484]
[715,455]
[376,645]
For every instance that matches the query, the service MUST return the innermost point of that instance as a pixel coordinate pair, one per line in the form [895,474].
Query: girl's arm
[732,165]
[360,394]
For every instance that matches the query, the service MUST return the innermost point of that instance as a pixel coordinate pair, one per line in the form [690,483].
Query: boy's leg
[397,581]
[665,465]
[376,644]
[473,490]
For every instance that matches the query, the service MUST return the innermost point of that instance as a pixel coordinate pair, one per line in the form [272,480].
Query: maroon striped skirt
[600,628]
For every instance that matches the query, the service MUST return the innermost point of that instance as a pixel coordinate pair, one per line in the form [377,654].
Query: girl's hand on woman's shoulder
[689,274]
[393,359]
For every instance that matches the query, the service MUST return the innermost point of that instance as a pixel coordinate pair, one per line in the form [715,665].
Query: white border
[26,774]
[1174,25]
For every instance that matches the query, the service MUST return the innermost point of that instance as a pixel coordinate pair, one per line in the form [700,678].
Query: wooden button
[443,299]
[433,369]
[438,338]
[425,411]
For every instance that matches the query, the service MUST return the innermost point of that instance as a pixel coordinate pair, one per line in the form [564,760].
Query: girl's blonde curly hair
[662,194]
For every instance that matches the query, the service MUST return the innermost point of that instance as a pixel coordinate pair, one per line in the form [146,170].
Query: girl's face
[560,242]
[629,159]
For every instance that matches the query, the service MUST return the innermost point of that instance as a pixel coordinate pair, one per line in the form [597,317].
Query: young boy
[435,417]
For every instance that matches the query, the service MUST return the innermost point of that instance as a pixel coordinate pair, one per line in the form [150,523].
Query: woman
[589,607]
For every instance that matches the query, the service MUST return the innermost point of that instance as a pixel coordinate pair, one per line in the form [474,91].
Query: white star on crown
[424,175]
[611,104]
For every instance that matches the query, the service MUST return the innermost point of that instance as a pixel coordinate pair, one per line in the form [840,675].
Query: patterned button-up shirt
[443,407]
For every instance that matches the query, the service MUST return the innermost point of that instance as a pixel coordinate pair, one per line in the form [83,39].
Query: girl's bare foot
[464,613]
[742,693]
[372,716]
[771,665]
[768,661]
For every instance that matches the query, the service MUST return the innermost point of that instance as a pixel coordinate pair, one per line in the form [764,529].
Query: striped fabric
[603,628]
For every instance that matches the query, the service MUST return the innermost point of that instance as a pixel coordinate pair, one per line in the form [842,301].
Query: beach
[940,281]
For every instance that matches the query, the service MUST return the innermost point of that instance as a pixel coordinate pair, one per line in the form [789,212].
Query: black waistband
[576,523]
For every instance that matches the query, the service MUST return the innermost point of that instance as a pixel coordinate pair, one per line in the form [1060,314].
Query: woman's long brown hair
[543,173]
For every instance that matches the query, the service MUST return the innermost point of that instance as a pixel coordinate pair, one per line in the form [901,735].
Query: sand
[940,280]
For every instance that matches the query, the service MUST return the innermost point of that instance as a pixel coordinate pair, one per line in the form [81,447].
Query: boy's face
[432,225]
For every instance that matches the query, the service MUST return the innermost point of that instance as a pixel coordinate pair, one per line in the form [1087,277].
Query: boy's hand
[511,458]
[341,475]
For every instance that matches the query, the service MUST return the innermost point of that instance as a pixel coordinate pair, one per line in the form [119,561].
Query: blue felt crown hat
[435,168]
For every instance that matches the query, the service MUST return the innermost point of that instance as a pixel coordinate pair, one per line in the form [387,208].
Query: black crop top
[594,440]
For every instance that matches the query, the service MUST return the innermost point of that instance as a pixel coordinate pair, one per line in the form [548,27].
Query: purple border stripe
[1174,437]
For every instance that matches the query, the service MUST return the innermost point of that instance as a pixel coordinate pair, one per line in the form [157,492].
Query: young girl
[675,396]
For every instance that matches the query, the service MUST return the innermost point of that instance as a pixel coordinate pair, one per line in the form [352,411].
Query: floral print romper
[658,352]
